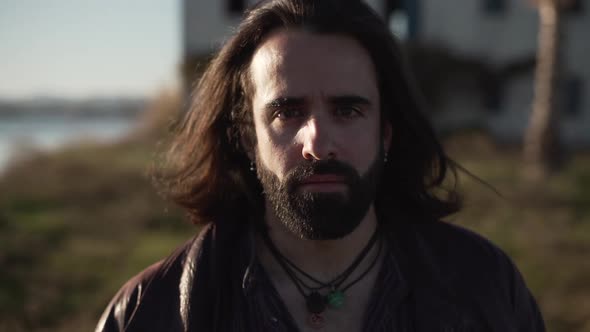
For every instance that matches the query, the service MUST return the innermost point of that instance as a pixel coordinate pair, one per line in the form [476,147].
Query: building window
[399,24]
[572,94]
[572,6]
[236,7]
[492,93]
[494,6]
[393,5]
[403,17]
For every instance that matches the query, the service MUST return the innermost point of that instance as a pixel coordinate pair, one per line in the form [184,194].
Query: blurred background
[89,91]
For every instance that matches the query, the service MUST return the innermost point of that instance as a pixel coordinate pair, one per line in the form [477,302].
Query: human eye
[348,111]
[288,113]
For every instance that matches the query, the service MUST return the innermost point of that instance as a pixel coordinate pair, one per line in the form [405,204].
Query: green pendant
[336,299]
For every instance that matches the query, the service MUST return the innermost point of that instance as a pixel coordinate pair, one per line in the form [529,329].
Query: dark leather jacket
[456,281]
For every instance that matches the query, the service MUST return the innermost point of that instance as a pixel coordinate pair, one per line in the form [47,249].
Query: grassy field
[75,224]
[545,227]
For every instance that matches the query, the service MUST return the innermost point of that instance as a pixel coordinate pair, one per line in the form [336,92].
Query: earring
[252,166]
[385,157]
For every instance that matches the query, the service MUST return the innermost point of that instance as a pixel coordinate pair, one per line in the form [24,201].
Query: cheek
[363,147]
[272,153]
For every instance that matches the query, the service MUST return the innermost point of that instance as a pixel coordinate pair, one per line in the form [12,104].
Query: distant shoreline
[122,107]
[49,131]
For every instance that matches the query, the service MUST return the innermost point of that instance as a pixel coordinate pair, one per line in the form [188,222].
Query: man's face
[319,138]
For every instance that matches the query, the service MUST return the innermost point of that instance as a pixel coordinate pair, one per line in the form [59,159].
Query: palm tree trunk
[541,141]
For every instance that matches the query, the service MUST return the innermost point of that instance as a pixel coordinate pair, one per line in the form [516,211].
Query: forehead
[303,64]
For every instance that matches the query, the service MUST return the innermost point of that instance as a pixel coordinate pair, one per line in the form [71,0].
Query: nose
[318,140]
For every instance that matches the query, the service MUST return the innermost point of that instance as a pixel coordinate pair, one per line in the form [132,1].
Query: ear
[387,134]
[248,146]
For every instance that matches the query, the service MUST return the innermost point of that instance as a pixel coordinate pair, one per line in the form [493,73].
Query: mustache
[317,167]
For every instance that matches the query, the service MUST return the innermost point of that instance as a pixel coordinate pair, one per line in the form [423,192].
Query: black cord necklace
[316,303]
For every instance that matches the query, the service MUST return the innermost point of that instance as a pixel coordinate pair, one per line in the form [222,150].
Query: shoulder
[453,244]
[460,256]
[157,284]
[477,271]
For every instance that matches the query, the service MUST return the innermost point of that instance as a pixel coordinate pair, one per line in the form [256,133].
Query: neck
[323,259]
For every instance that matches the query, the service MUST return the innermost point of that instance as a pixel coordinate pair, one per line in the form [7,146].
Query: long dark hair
[208,169]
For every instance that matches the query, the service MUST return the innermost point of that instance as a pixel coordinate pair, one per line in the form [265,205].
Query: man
[306,156]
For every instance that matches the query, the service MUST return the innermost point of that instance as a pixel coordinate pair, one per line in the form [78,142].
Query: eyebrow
[349,100]
[282,102]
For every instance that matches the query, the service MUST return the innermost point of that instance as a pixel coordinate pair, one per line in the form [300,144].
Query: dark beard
[321,215]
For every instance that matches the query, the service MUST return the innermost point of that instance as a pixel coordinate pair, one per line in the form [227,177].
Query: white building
[208,23]
[500,33]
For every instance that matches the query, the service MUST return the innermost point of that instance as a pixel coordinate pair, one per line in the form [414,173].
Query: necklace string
[367,270]
[316,303]
[336,281]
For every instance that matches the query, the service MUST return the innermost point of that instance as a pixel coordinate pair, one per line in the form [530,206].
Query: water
[46,133]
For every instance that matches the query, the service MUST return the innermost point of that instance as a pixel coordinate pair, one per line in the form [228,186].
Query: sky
[88,48]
